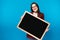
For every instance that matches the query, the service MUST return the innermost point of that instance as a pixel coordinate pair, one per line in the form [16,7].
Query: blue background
[12,10]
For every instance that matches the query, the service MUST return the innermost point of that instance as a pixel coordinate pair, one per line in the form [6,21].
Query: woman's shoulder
[41,14]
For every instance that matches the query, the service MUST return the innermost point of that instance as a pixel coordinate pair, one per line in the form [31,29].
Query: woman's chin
[35,11]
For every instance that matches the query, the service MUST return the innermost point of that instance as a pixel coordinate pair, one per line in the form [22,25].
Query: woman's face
[34,8]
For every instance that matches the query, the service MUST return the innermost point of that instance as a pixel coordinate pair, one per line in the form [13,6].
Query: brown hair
[36,5]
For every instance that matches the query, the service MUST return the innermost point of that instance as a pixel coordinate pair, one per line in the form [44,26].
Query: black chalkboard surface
[33,26]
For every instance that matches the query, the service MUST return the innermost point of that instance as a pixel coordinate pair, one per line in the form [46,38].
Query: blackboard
[33,26]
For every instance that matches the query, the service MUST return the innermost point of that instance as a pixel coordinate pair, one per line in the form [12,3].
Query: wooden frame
[28,32]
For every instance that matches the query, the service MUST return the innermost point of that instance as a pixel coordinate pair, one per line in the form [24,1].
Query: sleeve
[41,15]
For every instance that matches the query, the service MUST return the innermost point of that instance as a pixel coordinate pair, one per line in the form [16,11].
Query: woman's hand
[47,29]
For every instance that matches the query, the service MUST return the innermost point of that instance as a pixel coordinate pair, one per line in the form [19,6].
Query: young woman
[36,12]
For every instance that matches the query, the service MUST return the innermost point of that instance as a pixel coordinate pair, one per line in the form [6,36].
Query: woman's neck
[35,12]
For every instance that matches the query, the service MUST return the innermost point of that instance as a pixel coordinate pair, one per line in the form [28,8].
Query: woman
[36,12]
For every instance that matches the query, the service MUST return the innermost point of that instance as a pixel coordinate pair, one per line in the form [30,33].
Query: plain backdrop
[12,10]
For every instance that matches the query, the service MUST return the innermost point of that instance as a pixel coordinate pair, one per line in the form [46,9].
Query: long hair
[38,11]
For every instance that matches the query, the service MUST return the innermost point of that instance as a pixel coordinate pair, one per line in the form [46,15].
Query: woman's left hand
[47,29]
